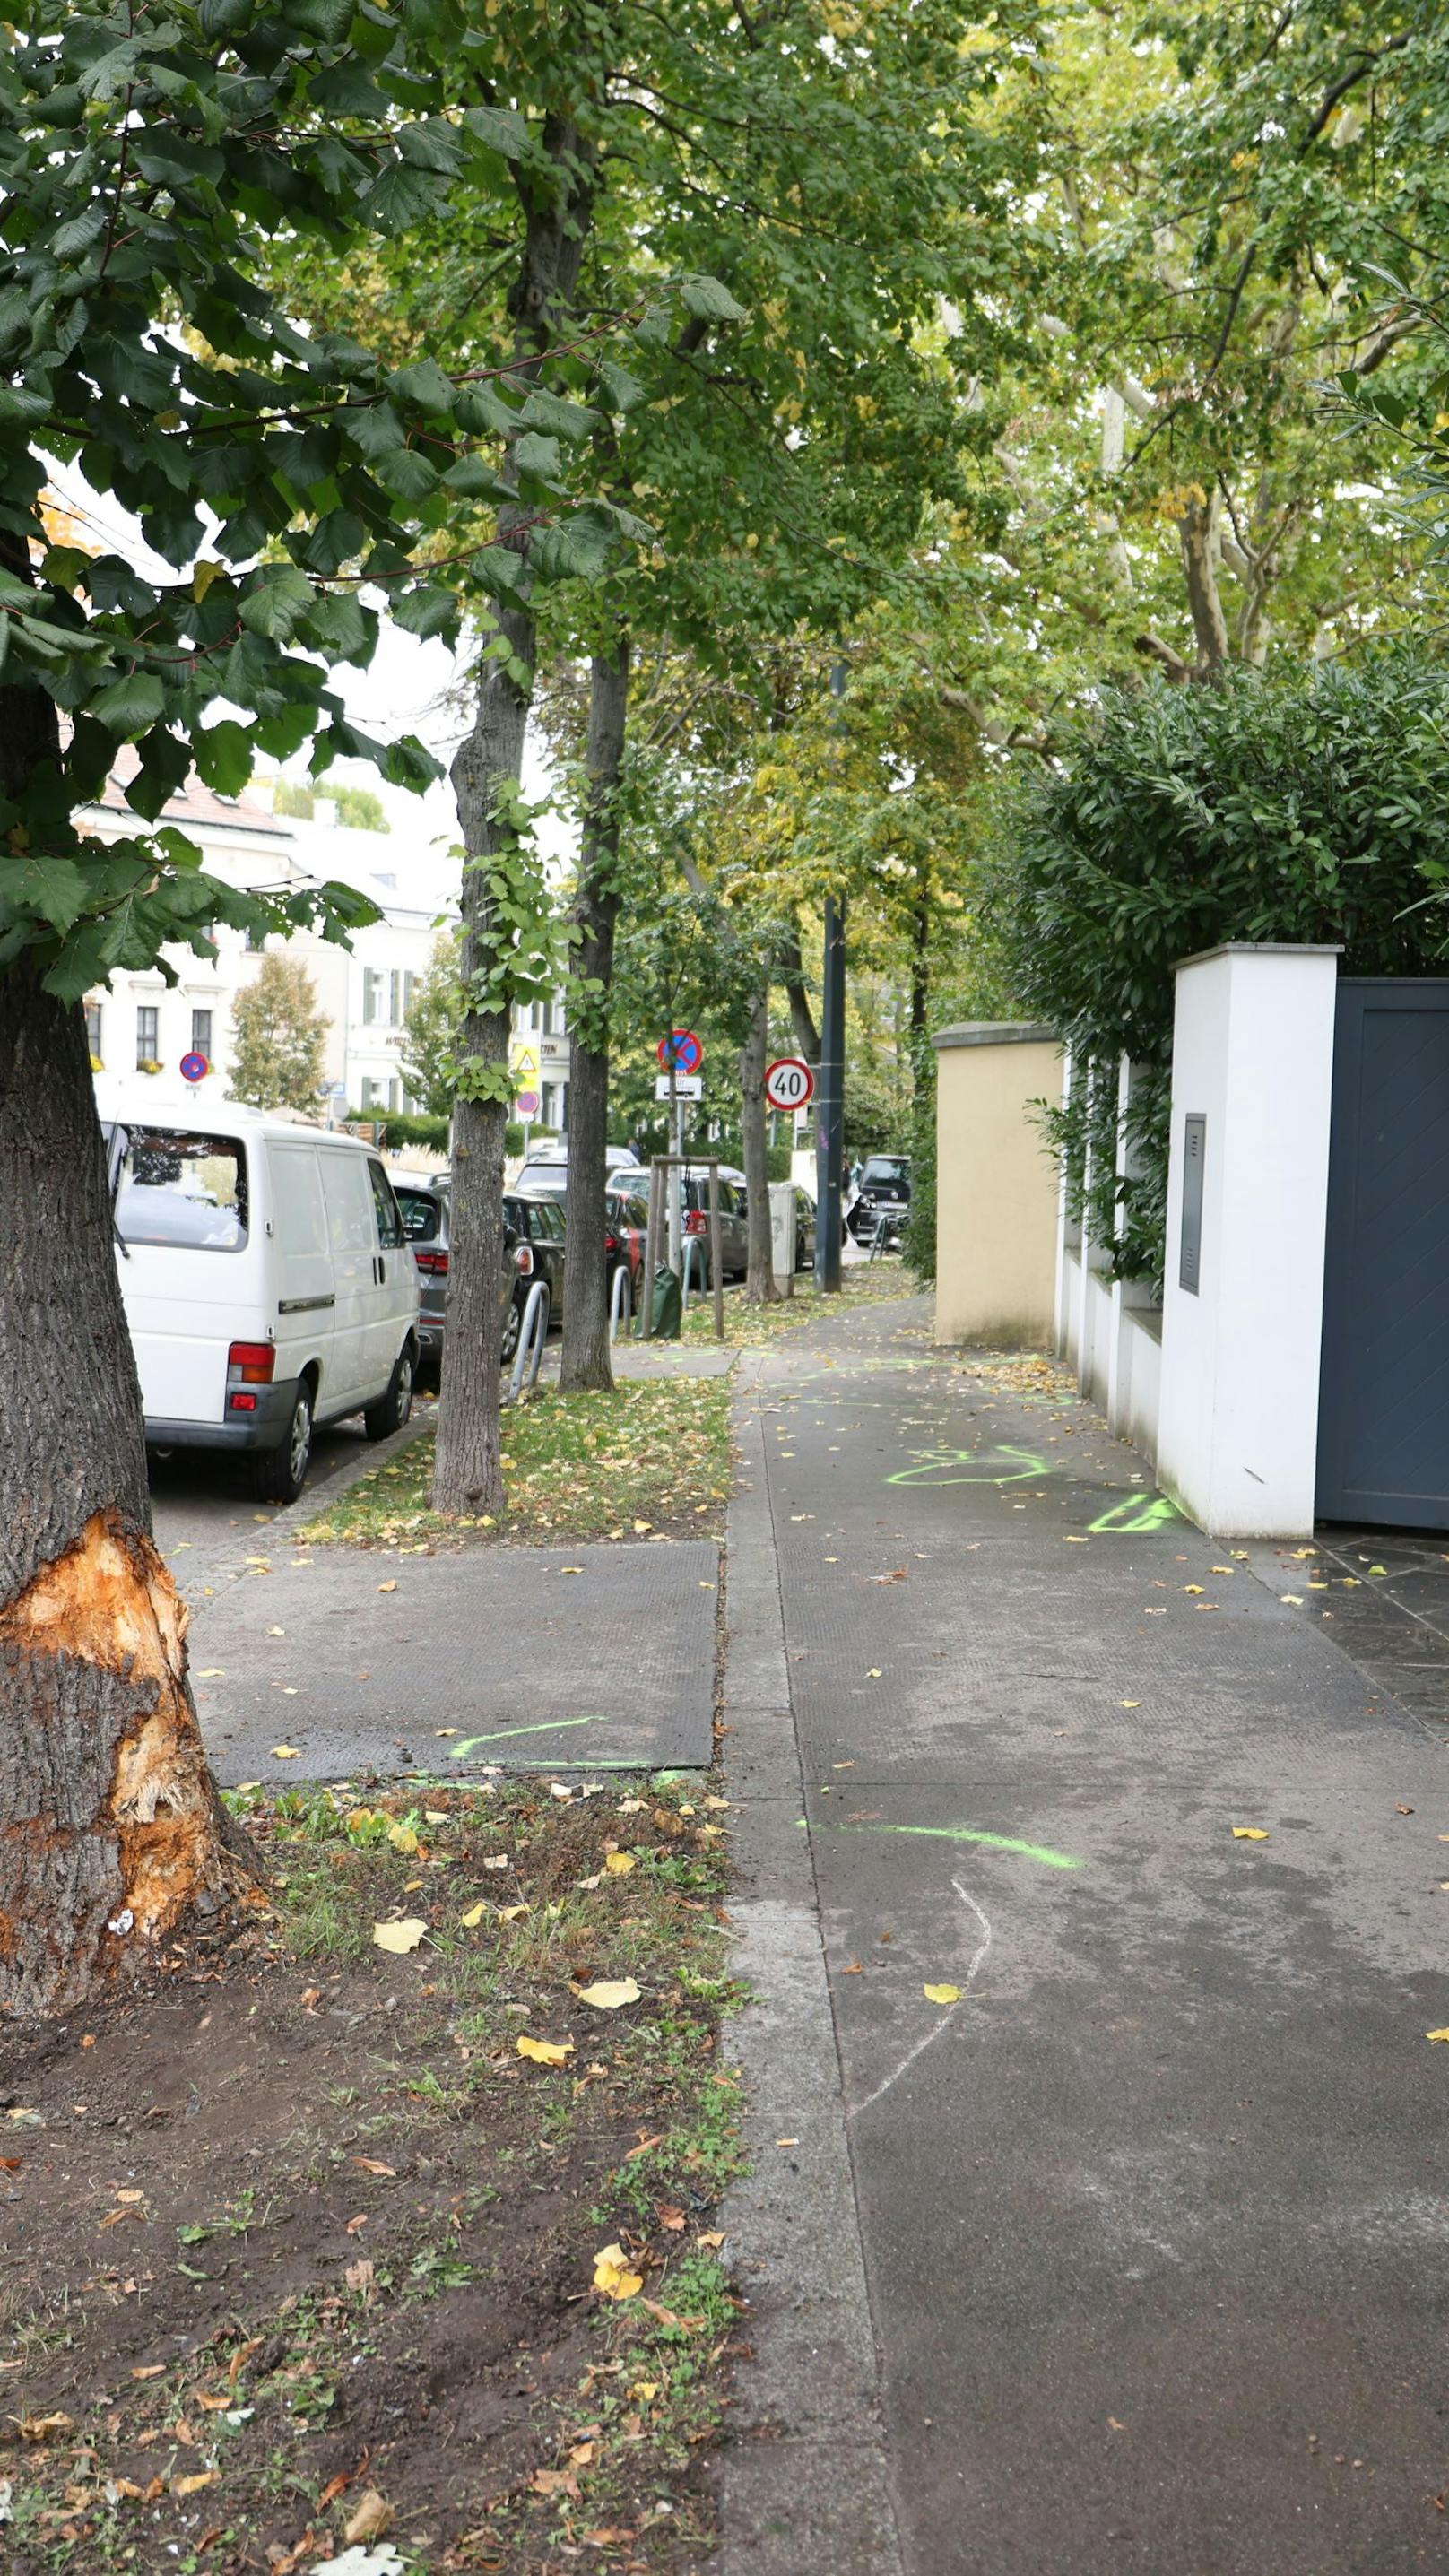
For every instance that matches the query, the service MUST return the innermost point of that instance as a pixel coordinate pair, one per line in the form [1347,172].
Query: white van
[267,1280]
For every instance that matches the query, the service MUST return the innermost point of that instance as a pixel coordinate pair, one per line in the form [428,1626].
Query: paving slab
[1154,2219]
[578,1658]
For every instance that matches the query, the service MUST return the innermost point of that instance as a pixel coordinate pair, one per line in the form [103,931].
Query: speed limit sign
[789,1083]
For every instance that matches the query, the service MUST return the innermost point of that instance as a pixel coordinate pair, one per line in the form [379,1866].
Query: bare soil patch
[296,2225]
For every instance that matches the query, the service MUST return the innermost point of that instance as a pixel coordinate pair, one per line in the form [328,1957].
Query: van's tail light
[248,1364]
[696,1222]
[251,1363]
[523,1260]
[611,1245]
[434,1262]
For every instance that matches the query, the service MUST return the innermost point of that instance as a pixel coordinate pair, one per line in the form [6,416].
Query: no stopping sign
[789,1083]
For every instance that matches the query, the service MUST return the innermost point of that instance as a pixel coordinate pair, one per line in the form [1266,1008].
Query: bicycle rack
[692,1245]
[529,1354]
[620,1301]
[880,1240]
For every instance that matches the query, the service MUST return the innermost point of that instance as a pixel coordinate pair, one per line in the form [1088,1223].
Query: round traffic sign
[681,1051]
[527,1104]
[789,1083]
[194,1067]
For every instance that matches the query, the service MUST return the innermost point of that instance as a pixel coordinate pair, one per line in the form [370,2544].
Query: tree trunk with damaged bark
[760,1286]
[585,1363]
[111,1831]
[467,1470]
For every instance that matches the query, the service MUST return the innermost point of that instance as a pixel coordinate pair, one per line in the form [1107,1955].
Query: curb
[805,2482]
[292,1519]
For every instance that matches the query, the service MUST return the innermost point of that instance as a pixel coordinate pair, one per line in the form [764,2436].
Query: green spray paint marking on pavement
[972,1834]
[552,1726]
[1136,1512]
[944,1466]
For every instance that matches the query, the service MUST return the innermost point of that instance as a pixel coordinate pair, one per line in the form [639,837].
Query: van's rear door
[189,1265]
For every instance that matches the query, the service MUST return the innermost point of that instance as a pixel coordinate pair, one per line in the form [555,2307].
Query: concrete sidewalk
[1133,2258]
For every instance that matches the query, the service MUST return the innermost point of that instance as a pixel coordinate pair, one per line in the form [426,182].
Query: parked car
[534,1235]
[804,1229]
[426,1205]
[266,1280]
[624,1239]
[734,1229]
[885,1191]
[548,1168]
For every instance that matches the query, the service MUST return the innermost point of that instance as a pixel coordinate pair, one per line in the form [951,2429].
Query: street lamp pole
[830,1127]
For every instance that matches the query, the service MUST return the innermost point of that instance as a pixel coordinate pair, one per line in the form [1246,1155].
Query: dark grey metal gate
[1383,1419]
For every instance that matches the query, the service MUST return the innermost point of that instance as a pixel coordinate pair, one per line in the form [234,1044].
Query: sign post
[680,1054]
[830,1126]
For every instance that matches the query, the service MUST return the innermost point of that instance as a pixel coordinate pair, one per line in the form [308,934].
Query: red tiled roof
[193,803]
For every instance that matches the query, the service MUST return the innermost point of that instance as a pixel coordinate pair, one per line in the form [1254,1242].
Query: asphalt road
[202,1502]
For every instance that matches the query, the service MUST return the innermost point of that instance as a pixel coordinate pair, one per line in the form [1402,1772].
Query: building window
[148,1034]
[394,1095]
[410,986]
[93,1029]
[371,994]
[201,1034]
[369,1092]
[394,999]
[256,941]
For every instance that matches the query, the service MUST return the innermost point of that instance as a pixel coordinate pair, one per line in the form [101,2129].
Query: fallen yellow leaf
[194,2485]
[609,1993]
[285,1752]
[619,1864]
[388,1587]
[473,1917]
[402,1838]
[612,2275]
[1250,1834]
[942,1994]
[545,2052]
[510,1913]
[211,1673]
[1436,2034]
[399,1937]
[370,2517]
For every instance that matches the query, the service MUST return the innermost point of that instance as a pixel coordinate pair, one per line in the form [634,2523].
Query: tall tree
[281,1034]
[279,472]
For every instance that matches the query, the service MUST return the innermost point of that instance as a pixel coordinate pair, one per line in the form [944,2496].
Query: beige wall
[996,1186]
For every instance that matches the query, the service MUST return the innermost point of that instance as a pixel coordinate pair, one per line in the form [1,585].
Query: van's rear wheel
[278,1475]
[391,1410]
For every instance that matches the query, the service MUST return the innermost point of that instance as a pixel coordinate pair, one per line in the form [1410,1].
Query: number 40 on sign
[789,1083]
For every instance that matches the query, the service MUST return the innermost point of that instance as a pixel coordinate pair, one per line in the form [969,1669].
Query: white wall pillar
[1253,1058]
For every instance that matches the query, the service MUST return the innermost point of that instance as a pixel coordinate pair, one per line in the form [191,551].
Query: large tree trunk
[760,1276]
[467,1474]
[585,1362]
[487,769]
[111,1831]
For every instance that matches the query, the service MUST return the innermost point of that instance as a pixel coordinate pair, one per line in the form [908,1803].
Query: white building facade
[139,1021]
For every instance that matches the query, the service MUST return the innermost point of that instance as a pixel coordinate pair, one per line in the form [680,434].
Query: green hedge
[1307,809]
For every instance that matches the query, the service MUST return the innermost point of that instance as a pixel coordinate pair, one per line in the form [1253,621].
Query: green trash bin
[668,1304]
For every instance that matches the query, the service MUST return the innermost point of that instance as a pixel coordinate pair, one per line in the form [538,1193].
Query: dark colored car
[734,1228]
[534,1234]
[425,1203]
[533,1248]
[885,1191]
[804,1230]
